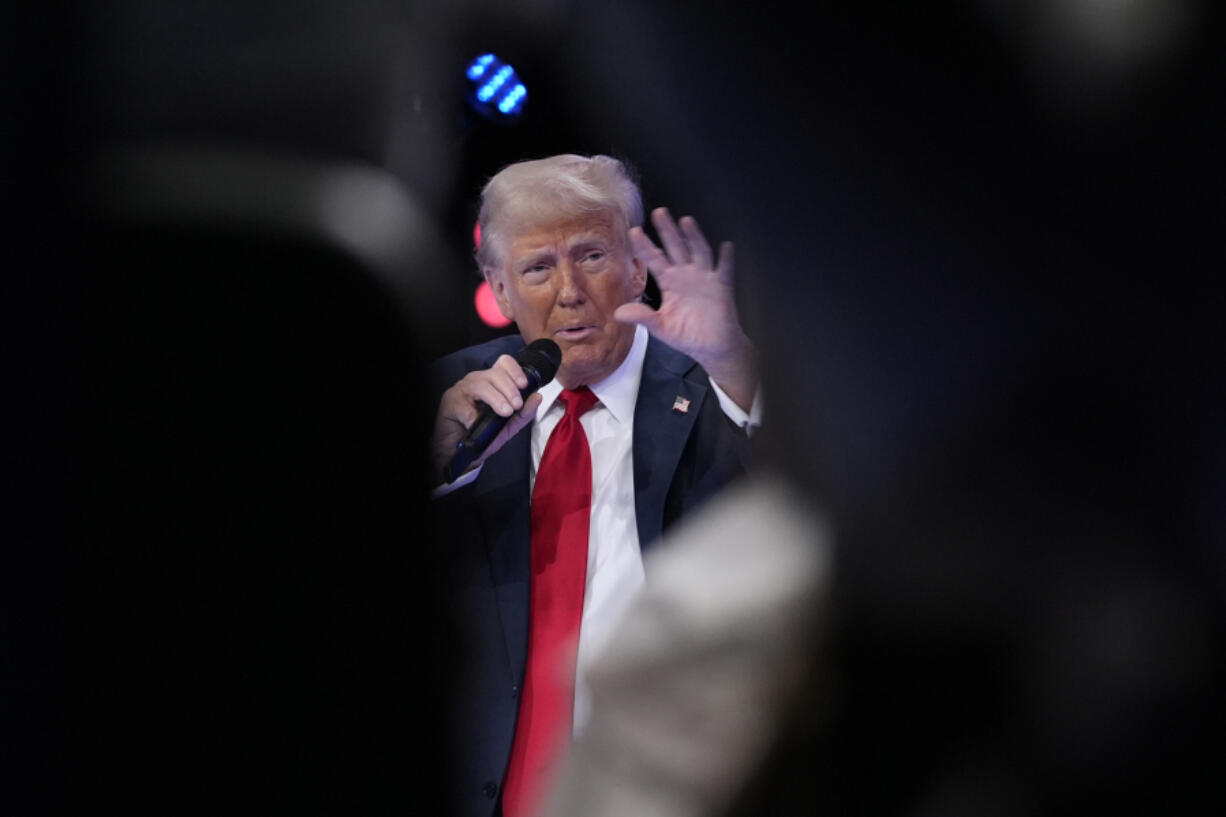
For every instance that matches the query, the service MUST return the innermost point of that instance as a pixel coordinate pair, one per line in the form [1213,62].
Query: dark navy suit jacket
[681,459]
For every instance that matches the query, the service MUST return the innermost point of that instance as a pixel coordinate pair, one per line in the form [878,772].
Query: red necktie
[561,512]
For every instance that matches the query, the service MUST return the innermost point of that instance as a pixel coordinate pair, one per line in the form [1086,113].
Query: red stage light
[487,307]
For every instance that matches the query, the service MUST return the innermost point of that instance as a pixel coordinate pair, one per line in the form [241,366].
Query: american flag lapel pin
[681,404]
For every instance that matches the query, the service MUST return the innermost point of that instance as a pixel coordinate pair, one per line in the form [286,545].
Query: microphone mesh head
[541,356]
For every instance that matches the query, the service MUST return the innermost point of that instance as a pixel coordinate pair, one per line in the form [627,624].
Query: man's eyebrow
[533,254]
[588,239]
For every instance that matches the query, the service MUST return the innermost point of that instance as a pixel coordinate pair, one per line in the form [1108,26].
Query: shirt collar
[617,392]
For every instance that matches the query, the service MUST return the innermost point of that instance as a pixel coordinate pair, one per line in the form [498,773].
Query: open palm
[697,313]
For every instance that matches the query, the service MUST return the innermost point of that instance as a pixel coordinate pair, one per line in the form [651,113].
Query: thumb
[520,418]
[525,415]
[637,313]
[515,422]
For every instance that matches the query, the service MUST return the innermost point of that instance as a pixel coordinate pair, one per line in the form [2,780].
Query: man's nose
[570,284]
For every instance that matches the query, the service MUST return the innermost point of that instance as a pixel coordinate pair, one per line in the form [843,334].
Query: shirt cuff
[467,478]
[735,413]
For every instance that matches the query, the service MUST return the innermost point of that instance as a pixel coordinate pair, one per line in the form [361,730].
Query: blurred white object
[692,689]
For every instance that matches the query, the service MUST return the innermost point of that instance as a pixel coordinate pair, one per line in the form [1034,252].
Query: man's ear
[498,286]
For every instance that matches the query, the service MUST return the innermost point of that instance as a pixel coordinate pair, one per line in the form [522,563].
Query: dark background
[980,259]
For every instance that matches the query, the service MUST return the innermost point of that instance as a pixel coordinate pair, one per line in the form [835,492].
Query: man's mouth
[576,331]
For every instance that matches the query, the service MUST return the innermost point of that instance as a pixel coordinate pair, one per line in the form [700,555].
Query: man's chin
[591,358]
[582,369]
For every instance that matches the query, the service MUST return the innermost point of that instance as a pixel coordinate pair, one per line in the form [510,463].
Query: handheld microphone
[540,360]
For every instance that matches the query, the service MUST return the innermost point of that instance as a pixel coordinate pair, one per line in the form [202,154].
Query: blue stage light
[511,100]
[479,65]
[495,91]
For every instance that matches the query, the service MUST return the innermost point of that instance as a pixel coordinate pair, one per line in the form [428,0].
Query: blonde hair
[540,191]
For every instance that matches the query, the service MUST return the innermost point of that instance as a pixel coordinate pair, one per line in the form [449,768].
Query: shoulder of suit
[448,369]
[480,356]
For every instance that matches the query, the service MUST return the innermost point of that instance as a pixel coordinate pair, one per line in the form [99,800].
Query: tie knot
[578,401]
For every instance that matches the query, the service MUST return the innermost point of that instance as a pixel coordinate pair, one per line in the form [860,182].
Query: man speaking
[646,419]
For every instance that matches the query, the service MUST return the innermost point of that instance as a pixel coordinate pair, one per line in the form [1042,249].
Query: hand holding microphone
[486,408]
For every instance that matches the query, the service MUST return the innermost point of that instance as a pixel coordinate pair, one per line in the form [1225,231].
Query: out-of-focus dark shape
[1092,54]
[239,277]
[985,279]
[247,618]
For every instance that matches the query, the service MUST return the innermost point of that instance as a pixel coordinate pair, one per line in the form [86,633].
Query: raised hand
[697,313]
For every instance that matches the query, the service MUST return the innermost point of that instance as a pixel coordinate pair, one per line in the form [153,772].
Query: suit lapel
[660,432]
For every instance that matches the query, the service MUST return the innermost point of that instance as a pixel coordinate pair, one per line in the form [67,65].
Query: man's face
[562,281]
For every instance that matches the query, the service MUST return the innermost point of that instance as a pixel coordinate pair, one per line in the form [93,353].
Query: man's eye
[594,255]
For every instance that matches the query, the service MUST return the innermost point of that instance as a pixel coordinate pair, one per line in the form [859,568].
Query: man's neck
[618,391]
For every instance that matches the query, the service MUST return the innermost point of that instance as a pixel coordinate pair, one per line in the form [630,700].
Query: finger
[507,376]
[700,250]
[646,251]
[456,408]
[637,313]
[492,387]
[725,267]
[511,366]
[673,243]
